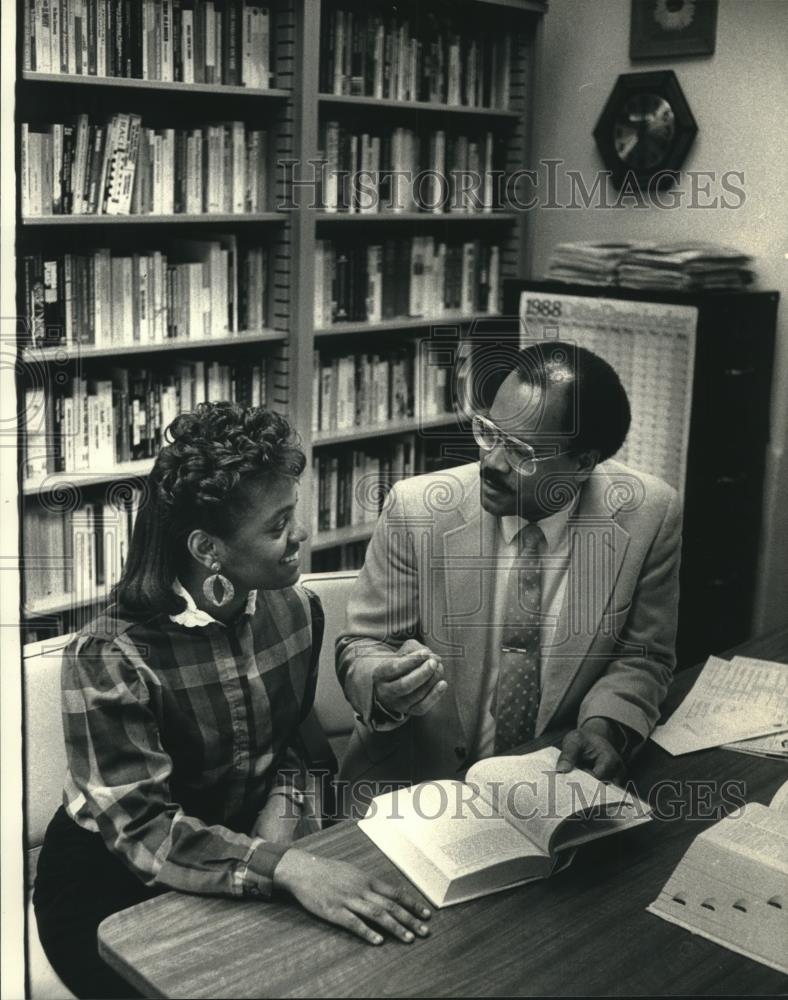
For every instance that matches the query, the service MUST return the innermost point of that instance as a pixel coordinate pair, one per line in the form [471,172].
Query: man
[533,590]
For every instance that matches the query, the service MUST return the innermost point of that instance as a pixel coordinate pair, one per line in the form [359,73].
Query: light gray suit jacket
[428,575]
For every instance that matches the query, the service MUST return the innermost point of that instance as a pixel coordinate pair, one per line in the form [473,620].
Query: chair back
[44,747]
[334,712]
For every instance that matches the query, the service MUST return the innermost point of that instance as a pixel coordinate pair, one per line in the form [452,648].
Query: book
[731,886]
[512,821]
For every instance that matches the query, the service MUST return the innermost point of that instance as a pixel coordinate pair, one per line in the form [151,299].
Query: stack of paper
[590,262]
[775,746]
[687,266]
[730,701]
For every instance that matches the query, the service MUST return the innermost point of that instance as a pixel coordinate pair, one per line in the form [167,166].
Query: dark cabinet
[726,453]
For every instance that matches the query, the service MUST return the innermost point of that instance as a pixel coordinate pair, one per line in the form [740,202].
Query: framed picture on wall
[667,28]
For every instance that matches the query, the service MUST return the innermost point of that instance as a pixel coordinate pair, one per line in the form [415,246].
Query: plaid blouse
[175,736]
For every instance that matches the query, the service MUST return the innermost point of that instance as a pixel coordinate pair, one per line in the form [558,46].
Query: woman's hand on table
[342,894]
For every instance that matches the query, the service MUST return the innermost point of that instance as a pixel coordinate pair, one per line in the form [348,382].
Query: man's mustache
[492,480]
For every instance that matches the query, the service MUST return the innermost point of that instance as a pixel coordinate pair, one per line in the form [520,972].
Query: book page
[758,833]
[729,701]
[441,831]
[553,810]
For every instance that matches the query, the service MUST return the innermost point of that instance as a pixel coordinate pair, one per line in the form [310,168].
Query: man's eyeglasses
[520,455]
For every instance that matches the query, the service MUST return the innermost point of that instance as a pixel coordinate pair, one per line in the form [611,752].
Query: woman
[182,705]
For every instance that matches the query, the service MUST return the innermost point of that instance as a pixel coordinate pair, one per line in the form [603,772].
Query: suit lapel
[597,547]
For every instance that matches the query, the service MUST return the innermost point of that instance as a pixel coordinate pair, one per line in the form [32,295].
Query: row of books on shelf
[121,167]
[404,170]
[420,276]
[78,553]
[187,41]
[92,424]
[369,390]
[81,553]
[364,53]
[350,486]
[201,289]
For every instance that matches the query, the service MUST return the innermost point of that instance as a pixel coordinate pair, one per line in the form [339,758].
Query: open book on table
[513,820]
[732,884]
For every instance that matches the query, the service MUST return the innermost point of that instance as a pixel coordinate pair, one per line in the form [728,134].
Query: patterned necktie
[517,697]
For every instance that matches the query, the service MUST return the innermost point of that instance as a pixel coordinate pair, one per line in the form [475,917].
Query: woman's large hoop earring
[209,587]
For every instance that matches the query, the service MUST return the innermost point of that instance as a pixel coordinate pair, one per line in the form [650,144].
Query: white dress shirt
[555,563]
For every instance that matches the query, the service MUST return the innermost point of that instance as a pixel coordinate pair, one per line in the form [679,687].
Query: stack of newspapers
[689,267]
[741,704]
[589,262]
[682,266]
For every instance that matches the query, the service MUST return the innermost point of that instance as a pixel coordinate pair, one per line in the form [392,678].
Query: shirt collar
[554,526]
[194,617]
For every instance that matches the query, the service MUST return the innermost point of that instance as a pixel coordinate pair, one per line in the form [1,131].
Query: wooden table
[585,931]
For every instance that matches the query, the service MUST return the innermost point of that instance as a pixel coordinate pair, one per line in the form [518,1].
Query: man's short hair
[601,413]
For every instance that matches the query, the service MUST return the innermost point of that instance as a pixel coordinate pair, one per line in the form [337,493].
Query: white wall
[739,97]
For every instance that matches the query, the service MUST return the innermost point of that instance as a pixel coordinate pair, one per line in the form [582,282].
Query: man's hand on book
[591,748]
[410,681]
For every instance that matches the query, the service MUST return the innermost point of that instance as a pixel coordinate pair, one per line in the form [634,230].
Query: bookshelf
[381,430]
[392,325]
[289,228]
[197,343]
[414,107]
[54,482]
[326,218]
[218,218]
[163,86]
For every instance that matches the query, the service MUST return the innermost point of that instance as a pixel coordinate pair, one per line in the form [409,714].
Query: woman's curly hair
[213,450]
[204,477]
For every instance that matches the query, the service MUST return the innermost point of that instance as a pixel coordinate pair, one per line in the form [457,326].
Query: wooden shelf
[341,536]
[404,323]
[387,104]
[62,480]
[432,217]
[529,6]
[412,426]
[32,356]
[132,83]
[206,218]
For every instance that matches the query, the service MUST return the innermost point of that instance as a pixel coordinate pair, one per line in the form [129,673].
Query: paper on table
[729,701]
[774,745]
